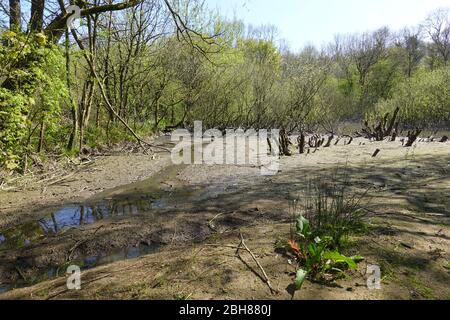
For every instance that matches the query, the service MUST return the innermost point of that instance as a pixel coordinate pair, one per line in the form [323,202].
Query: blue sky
[303,22]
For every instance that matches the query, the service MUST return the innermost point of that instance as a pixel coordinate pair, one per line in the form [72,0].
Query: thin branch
[242,245]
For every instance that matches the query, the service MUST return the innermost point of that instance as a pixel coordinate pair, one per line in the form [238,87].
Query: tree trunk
[37,15]
[74,107]
[14,15]
[301,143]
[41,136]
[392,123]
[284,144]
[330,139]
[73,134]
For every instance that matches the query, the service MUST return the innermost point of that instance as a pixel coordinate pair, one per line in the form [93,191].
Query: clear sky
[315,22]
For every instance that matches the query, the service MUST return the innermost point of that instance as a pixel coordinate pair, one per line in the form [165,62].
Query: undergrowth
[322,220]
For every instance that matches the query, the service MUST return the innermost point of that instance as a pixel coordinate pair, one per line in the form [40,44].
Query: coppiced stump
[412,137]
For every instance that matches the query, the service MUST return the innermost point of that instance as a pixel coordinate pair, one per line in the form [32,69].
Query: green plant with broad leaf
[317,256]
[300,279]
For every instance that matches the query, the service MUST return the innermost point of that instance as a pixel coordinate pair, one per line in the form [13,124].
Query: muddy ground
[143,228]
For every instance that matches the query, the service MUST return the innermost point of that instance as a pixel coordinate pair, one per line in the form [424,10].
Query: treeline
[151,66]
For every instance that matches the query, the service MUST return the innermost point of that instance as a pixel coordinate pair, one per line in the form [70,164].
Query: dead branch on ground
[242,245]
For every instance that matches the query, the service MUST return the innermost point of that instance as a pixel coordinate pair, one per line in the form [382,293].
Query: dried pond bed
[148,221]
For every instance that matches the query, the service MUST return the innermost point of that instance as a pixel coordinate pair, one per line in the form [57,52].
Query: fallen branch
[63,178]
[228,246]
[242,245]
[210,223]
[80,242]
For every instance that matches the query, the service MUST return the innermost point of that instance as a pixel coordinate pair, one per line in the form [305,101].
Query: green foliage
[334,103]
[31,76]
[340,259]
[303,228]
[424,100]
[383,79]
[13,127]
[330,215]
[315,255]
[332,210]
[300,278]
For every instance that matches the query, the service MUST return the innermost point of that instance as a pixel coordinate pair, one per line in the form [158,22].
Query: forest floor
[142,228]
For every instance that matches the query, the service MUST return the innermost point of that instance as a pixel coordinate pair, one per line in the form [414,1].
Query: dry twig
[242,245]
[80,242]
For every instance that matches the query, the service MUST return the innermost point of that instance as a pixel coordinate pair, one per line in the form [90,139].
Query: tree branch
[57,27]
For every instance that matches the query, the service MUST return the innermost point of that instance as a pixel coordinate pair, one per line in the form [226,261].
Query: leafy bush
[332,210]
[317,234]
[32,87]
[424,100]
[13,124]
[315,257]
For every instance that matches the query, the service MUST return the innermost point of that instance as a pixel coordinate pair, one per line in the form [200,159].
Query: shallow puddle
[84,263]
[161,193]
[74,216]
[4,288]
[71,217]
[121,202]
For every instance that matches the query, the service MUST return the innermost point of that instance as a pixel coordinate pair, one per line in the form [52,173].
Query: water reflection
[21,236]
[85,263]
[4,288]
[73,216]
[119,255]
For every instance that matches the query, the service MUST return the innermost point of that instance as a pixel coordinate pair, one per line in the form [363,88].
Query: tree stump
[412,137]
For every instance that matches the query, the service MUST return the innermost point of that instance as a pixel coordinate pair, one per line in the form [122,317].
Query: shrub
[332,210]
[32,87]
[424,100]
[13,124]
[329,215]
[315,256]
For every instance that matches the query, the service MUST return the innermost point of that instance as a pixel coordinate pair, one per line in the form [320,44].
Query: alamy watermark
[235,147]
[74,19]
[74,280]
[374,277]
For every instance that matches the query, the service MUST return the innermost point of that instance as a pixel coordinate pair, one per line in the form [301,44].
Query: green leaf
[336,257]
[312,249]
[358,259]
[300,279]
[302,226]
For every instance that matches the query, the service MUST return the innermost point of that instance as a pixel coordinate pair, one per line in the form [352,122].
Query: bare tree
[437,27]
[367,50]
[304,75]
[413,50]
